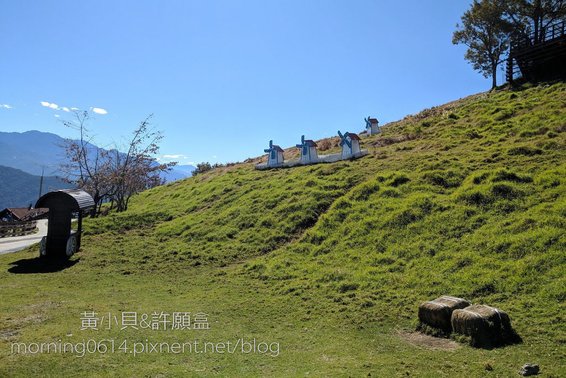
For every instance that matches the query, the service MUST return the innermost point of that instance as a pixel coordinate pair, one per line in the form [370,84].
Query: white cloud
[5,106]
[175,156]
[99,111]
[57,116]
[48,104]
[54,106]
[180,158]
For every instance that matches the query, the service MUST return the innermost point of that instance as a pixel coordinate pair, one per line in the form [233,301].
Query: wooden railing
[8,229]
[546,34]
[528,49]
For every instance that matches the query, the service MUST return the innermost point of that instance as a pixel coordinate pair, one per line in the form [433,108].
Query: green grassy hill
[330,260]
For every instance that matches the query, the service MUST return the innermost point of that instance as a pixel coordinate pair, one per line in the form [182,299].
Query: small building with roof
[350,143]
[22,214]
[308,154]
[307,150]
[372,126]
[274,155]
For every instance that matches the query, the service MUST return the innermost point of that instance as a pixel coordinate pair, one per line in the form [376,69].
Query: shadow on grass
[481,338]
[39,265]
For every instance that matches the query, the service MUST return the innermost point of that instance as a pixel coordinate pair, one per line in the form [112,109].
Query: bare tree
[137,170]
[111,175]
[88,166]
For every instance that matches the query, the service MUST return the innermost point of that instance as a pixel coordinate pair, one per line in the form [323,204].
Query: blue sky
[224,77]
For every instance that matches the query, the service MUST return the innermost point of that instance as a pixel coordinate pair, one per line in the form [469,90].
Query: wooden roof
[81,199]
[353,136]
[23,213]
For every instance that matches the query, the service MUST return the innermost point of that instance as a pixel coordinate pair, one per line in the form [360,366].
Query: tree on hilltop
[486,34]
[111,175]
[533,17]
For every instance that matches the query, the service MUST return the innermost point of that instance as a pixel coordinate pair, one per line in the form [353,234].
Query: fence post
[9,229]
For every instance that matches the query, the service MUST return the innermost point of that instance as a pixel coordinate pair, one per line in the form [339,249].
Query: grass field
[328,262]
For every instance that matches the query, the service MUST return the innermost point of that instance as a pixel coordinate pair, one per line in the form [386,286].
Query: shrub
[347,286]
[201,168]
[364,191]
[525,150]
[445,179]
[405,218]
[390,193]
[504,114]
[530,133]
[473,134]
[324,145]
[398,180]
[549,179]
[478,179]
[475,197]
[505,175]
[504,191]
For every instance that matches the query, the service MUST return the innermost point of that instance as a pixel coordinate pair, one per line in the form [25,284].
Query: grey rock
[529,369]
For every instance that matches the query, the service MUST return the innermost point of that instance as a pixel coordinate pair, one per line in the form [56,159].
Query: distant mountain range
[32,150]
[29,153]
[20,189]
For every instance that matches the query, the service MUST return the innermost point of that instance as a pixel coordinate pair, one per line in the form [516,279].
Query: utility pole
[41,181]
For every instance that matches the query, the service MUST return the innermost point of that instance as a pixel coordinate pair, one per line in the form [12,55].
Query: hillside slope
[466,199]
[19,189]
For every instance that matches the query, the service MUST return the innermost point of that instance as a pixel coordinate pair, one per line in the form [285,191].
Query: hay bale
[486,326]
[437,313]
